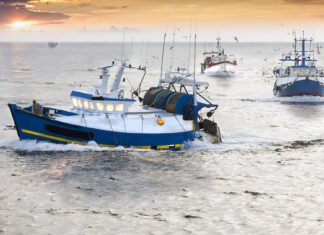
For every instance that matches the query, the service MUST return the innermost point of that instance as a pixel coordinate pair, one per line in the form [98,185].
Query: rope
[124,127]
[179,123]
[85,122]
[138,90]
[184,136]
[113,133]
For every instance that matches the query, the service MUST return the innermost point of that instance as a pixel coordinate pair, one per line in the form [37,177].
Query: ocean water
[265,178]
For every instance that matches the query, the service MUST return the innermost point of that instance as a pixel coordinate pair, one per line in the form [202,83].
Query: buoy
[160,122]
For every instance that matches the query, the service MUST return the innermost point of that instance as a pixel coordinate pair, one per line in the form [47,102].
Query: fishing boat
[217,63]
[167,116]
[298,74]
[52,44]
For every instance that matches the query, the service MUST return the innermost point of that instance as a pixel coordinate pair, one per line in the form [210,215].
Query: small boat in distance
[52,44]
[301,76]
[217,63]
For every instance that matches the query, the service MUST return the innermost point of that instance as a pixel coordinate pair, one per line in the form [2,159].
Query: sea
[266,177]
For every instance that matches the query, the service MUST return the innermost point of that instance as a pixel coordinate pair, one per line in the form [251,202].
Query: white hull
[222,71]
[132,123]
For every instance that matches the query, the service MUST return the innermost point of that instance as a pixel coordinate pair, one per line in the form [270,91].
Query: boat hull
[33,127]
[305,87]
[224,70]
[220,74]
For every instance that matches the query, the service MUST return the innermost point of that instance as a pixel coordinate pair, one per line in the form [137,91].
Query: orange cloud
[17,10]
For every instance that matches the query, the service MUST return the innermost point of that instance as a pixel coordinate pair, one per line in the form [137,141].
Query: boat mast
[131,49]
[218,45]
[122,56]
[295,49]
[188,65]
[172,47]
[303,50]
[104,76]
[114,89]
[194,74]
[162,58]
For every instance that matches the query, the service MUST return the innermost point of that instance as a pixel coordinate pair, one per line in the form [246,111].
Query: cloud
[112,29]
[304,2]
[114,8]
[16,10]
[85,5]
[115,29]
[109,8]
[13,1]
[50,22]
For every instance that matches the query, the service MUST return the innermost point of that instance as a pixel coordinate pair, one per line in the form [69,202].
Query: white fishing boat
[217,63]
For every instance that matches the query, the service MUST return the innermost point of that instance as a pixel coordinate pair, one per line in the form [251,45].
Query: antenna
[303,49]
[189,54]
[147,50]
[142,45]
[218,43]
[131,49]
[172,47]
[123,45]
[162,58]
[194,73]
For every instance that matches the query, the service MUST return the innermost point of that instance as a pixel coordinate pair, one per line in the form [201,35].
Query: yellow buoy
[160,122]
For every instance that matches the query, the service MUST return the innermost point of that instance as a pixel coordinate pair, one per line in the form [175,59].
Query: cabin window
[100,106]
[119,107]
[109,107]
[80,103]
[75,102]
[86,104]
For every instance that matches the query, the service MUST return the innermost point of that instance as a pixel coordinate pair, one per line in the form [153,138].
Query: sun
[20,24]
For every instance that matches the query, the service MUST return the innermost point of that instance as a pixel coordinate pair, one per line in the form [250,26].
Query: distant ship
[217,63]
[52,44]
[302,76]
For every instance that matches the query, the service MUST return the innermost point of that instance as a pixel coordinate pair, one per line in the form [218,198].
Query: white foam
[238,141]
[301,99]
[294,99]
[34,146]
[233,142]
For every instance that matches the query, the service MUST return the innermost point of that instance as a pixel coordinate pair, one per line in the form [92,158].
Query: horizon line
[65,41]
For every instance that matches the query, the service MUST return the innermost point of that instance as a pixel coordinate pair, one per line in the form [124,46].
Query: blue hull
[300,88]
[33,127]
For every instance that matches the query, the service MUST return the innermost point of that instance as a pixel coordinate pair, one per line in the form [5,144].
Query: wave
[289,100]
[34,146]
[236,142]
[239,141]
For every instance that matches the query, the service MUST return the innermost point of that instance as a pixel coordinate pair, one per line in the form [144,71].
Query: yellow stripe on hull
[159,147]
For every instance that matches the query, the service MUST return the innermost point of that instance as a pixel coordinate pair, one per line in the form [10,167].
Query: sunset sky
[87,20]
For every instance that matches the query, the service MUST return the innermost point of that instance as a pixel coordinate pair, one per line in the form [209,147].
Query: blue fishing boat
[167,117]
[301,77]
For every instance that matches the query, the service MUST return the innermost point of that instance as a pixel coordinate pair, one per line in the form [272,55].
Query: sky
[99,20]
